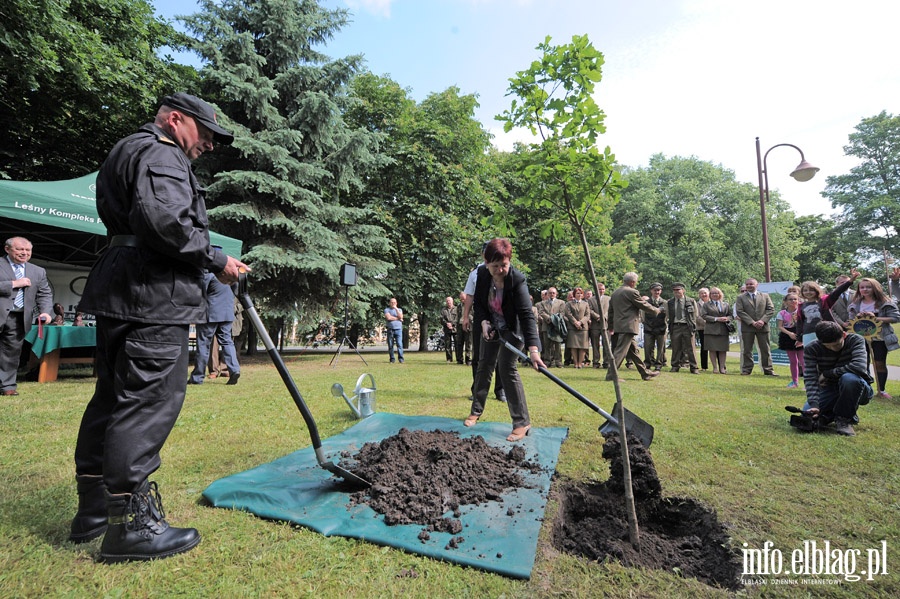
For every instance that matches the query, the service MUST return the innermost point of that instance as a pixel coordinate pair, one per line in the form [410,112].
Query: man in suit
[682,320]
[23,288]
[625,308]
[655,328]
[599,306]
[219,320]
[754,309]
[463,334]
[448,322]
[542,328]
[546,309]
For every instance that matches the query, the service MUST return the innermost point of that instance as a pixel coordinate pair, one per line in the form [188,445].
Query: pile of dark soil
[418,476]
[676,534]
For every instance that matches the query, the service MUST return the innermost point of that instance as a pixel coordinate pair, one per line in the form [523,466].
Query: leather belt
[130,241]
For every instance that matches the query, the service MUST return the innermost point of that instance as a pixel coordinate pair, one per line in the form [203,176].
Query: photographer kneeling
[837,377]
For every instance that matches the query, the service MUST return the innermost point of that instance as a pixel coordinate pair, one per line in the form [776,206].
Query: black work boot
[138,529]
[90,520]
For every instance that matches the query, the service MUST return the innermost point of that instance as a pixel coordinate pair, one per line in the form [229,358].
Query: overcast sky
[697,78]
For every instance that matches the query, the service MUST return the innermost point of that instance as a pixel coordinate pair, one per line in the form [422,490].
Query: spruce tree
[279,187]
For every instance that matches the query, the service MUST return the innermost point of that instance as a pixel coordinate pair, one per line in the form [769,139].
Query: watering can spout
[364,396]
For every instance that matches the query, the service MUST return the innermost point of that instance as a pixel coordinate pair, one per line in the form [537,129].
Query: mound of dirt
[676,534]
[419,476]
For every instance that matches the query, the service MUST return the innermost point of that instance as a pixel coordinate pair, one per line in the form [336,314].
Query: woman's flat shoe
[519,433]
[471,420]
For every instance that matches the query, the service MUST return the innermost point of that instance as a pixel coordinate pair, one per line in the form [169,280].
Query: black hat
[200,110]
[677,285]
[656,286]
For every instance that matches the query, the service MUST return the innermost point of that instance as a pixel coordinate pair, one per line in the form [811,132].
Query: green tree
[75,77]
[569,180]
[696,224]
[432,195]
[280,186]
[551,256]
[822,255]
[868,197]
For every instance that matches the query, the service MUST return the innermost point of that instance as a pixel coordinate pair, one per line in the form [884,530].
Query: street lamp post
[804,172]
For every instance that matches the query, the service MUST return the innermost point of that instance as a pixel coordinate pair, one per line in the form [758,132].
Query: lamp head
[804,171]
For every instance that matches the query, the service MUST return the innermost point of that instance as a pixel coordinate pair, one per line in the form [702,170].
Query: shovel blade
[633,425]
[348,476]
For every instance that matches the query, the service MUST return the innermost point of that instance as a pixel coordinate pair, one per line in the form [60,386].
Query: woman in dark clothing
[503,311]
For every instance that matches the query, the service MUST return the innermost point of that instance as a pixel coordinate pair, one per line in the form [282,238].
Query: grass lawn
[724,440]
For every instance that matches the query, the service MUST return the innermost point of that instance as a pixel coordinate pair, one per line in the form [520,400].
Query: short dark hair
[498,248]
[829,332]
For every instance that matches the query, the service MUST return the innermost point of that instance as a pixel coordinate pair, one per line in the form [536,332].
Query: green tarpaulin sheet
[68,205]
[499,537]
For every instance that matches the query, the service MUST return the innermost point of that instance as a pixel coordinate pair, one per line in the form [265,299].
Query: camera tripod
[346,339]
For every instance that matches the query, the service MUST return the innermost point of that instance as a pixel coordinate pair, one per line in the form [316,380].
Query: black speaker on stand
[348,280]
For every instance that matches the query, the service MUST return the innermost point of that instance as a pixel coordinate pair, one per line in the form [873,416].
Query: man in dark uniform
[599,305]
[655,328]
[145,290]
[682,316]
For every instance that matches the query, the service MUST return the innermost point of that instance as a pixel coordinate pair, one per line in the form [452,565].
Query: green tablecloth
[56,337]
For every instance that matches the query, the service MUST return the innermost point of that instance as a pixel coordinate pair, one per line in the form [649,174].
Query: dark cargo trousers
[141,382]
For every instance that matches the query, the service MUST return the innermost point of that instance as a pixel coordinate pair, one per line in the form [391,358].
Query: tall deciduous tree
[432,196]
[868,197]
[280,186]
[75,77]
[696,224]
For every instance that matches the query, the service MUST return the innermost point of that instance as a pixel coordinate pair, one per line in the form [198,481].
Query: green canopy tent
[60,218]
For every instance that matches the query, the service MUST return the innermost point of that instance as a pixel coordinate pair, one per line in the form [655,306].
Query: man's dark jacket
[146,189]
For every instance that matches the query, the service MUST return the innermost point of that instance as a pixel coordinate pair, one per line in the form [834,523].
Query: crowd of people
[570,333]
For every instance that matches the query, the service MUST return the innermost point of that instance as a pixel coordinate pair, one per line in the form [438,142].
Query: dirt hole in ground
[420,476]
[677,534]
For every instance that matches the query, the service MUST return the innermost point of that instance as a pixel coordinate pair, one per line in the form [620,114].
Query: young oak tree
[280,186]
[569,178]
